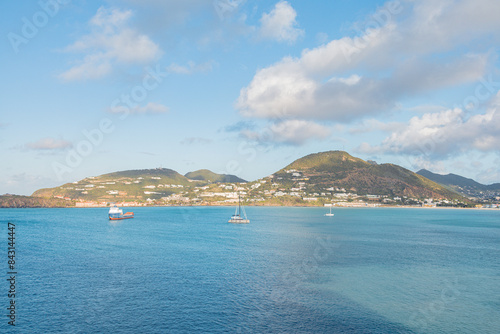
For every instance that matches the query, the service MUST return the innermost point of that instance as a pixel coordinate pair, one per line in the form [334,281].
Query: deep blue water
[291,270]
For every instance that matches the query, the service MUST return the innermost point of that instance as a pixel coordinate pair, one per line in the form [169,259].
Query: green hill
[209,176]
[455,180]
[16,201]
[451,180]
[339,170]
[464,185]
[165,174]
[131,185]
[330,161]
[312,180]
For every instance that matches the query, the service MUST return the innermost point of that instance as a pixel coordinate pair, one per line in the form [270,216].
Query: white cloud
[401,52]
[48,144]
[150,108]
[280,24]
[108,19]
[426,135]
[204,22]
[287,89]
[112,42]
[289,132]
[93,66]
[444,133]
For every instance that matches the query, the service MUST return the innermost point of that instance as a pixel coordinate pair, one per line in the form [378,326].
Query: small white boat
[330,214]
[237,218]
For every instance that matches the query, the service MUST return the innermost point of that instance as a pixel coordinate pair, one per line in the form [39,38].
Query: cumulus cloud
[280,24]
[112,42]
[150,108]
[403,51]
[49,144]
[289,132]
[444,133]
[288,89]
[205,22]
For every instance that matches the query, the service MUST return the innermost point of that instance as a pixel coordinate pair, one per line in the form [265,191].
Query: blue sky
[245,87]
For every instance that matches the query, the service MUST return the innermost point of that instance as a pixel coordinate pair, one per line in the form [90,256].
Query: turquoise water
[291,270]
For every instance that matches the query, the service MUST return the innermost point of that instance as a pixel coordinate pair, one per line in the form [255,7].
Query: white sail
[236,218]
[329,214]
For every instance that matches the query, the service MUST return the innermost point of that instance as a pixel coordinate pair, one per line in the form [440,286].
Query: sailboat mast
[239,204]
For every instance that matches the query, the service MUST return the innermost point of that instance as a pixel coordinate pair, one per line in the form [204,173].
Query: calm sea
[291,270]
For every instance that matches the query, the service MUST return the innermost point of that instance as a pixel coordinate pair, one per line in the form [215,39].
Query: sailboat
[330,214]
[236,218]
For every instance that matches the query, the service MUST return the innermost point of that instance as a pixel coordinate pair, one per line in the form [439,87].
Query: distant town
[332,178]
[262,193]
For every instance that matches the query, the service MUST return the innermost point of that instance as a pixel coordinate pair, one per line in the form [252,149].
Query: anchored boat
[237,218]
[115,213]
[329,214]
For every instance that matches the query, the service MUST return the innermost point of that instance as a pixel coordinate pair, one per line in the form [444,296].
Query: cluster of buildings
[488,206]
[292,187]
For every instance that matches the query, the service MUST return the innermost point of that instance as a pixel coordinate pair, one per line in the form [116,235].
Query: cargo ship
[115,213]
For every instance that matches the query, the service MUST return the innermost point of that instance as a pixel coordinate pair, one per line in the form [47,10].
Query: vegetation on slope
[16,201]
[133,185]
[312,180]
[454,180]
[341,170]
[209,176]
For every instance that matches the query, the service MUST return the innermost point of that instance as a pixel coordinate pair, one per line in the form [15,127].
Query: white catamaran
[237,218]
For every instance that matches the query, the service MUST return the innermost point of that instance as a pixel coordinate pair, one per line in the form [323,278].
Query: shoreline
[273,206]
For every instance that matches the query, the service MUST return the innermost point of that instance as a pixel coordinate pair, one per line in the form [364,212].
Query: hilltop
[340,175]
[209,176]
[315,179]
[131,186]
[451,180]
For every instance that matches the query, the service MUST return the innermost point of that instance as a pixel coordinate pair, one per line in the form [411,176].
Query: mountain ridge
[341,169]
[455,179]
[463,185]
[314,179]
[208,175]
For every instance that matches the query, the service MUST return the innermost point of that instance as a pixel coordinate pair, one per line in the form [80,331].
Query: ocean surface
[291,270]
